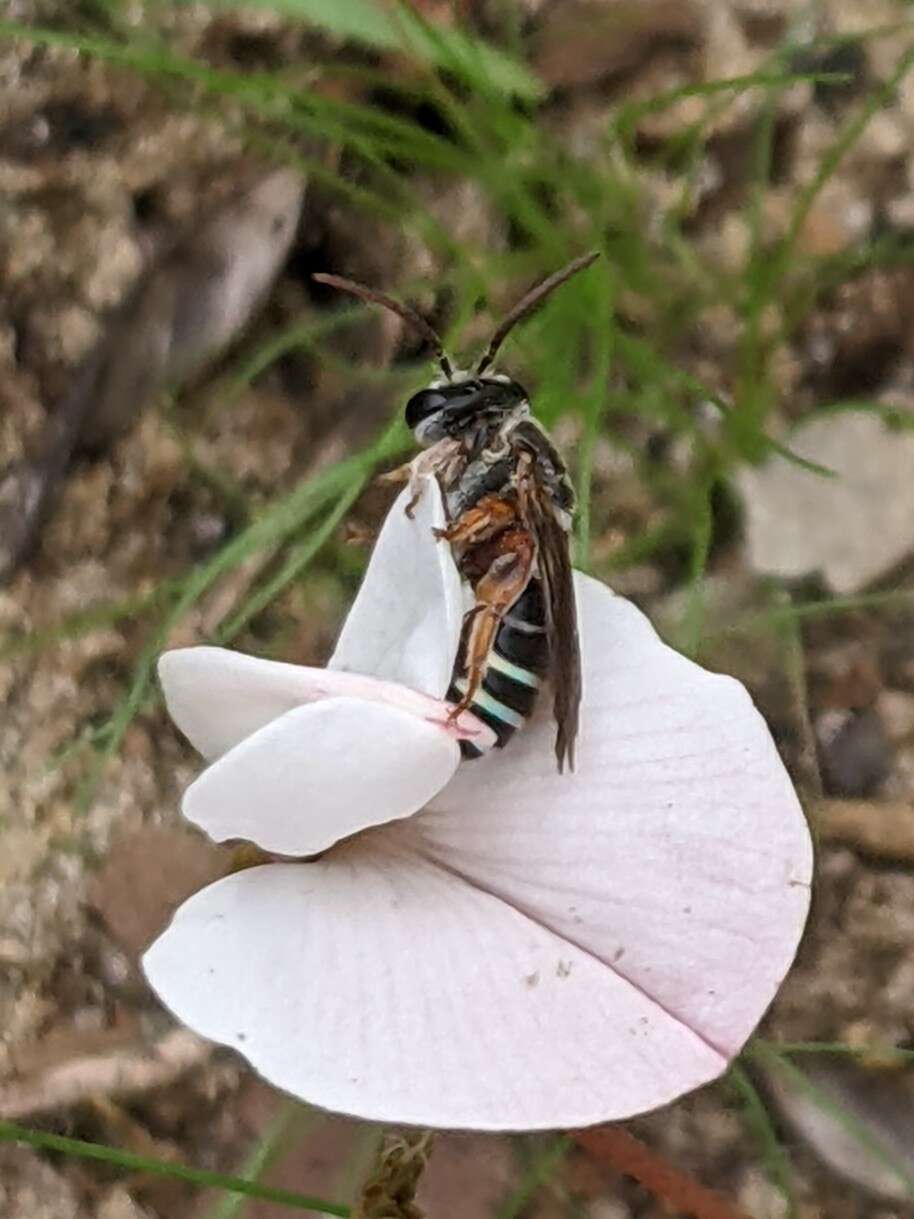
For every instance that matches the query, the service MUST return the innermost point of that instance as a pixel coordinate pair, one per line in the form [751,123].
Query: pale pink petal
[376,984]
[676,853]
[405,623]
[320,773]
[219,698]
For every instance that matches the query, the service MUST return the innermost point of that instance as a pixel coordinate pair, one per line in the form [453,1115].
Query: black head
[453,405]
[450,408]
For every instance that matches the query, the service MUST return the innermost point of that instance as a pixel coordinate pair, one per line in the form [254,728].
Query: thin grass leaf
[835,154]
[87,621]
[487,68]
[630,113]
[767,1055]
[274,527]
[826,273]
[755,392]
[296,562]
[402,29]
[538,1172]
[805,463]
[493,134]
[778,614]
[885,29]
[765,442]
[774,1158]
[362,198]
[117,1158]
[359,1163]
[807,773]
[701,532]
[292,1121]
[650,367]
[150,59]
[898,417]
[603,334]
[301,334]
[878,1053]
[388,196]
[642,547]
[367,130]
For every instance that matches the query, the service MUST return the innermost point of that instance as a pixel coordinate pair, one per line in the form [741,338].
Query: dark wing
[546,502]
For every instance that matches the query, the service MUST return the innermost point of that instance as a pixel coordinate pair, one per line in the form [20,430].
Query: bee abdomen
[514,670]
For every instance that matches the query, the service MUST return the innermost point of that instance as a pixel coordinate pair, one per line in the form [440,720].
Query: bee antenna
[410,316]
[528,303]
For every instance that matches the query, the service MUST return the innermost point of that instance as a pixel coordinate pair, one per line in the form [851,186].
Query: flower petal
[320,773]
[405,623]
[376,984]
[676,852]
[219,698]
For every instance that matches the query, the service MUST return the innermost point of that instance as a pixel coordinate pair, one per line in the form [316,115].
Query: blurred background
[189,429]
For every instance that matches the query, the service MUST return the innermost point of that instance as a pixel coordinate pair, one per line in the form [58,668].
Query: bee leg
[402,474]
[407,473]
[416,489]
[482,635]
[443,457]
[479,522]
[496,592]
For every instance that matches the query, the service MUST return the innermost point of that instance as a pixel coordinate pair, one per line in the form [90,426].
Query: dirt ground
[99,170]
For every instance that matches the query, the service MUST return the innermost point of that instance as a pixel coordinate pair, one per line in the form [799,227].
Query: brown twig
[880,829]
[621,1151]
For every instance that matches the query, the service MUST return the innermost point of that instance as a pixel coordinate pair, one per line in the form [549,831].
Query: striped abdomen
[514,670]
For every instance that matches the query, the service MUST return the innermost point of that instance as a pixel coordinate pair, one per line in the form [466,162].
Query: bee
[509,508]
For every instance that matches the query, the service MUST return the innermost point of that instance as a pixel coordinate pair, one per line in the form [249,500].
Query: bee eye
[426,402]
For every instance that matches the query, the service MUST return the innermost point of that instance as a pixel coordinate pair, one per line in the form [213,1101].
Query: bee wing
[564,646]
[546,502]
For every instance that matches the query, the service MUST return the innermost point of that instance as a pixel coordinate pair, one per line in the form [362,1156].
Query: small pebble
[855,753]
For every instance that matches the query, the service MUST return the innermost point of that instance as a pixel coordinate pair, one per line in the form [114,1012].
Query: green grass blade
[368,131]
[776,615]
[701,536]
[537,1173]
[84,622]
[758,1119]
[631,113]
[10,1132]
[386,28]
[292,1121]
[603,335]
[769,1056]
[298,559]
[836,153]
[879,1053]
[276,525]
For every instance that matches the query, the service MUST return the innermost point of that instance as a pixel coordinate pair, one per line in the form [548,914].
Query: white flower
[530,950]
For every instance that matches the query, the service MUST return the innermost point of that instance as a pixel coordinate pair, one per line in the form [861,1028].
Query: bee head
[448,408]
[457,400]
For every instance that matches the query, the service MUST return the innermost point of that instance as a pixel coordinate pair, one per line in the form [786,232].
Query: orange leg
[495,593]
[481,521]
